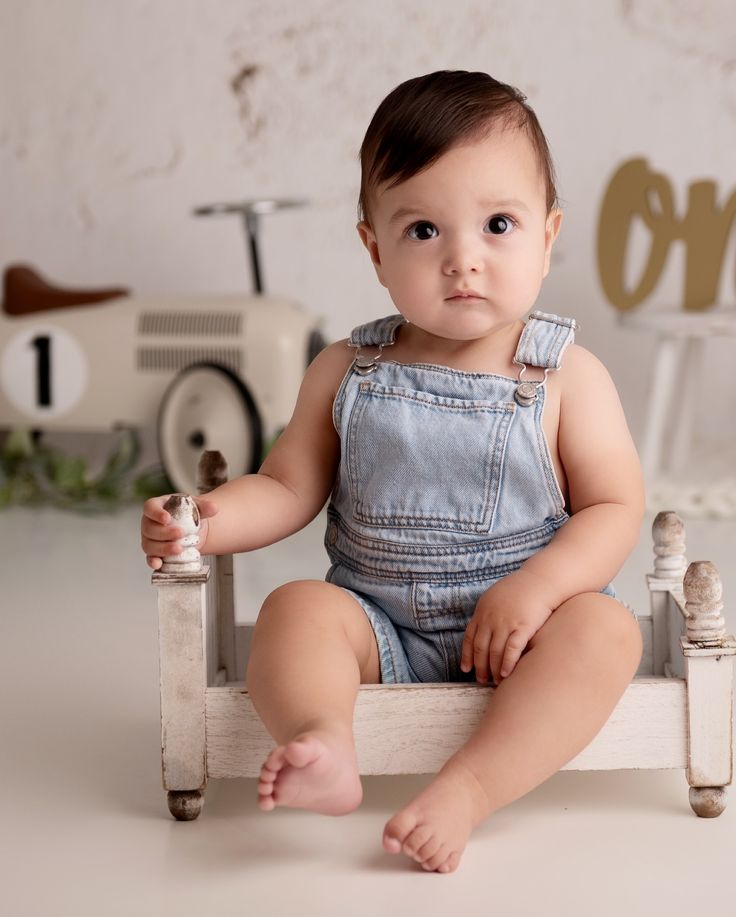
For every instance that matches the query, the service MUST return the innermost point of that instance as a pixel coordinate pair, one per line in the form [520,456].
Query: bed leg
[708,801]
[709,653]
[185,805]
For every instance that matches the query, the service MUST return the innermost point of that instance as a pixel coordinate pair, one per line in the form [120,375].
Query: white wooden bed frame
[676,713]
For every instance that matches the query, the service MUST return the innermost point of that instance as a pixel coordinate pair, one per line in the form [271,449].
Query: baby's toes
[266,802]
[429,849]
[396,831]
[416,840]
[276,760]
[450,864]
[437,859]
[266,782]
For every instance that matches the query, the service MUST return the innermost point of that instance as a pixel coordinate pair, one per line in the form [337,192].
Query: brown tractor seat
[26,291]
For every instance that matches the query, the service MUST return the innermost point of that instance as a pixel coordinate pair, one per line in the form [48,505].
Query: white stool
[677,377]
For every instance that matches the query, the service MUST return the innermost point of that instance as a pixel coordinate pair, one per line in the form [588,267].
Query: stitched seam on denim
[351,455]
[547,340]
[441,402]
[385,645]
[553,317]
[375,333]
[377,625]
[545,457]
[502,438]
[553,351]
[421,610]
[475,547]
[545,344]
[445,655]
[427,576]
[526,335]
[339,403]
[447,371]
[492,478]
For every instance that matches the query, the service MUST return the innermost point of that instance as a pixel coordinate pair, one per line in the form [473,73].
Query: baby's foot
[434,828]
[317,770]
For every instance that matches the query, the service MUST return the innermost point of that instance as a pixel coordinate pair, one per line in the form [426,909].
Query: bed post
[668,533]
[212,471]
[708,652]
[183,666]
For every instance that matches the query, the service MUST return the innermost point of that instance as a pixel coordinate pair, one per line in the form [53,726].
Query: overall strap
[544,340]
[380,332]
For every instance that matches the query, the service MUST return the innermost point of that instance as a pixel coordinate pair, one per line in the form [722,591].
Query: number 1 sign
[43,371]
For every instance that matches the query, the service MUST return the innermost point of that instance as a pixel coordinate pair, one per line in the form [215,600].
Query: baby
[483,485]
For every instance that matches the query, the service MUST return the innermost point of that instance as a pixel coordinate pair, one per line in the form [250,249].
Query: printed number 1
[43,364]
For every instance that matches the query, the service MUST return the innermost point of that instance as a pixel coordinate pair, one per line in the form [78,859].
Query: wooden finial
[668,532]
[185,514]
[212,471]
[703,593]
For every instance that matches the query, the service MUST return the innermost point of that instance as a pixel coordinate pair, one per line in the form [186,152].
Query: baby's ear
[551,231]
[368,238]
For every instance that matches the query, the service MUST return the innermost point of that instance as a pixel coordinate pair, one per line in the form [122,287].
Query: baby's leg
[312,648]
[560,694]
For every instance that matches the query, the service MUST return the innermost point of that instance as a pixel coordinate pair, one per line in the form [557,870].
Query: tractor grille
[191,324]
[172,359]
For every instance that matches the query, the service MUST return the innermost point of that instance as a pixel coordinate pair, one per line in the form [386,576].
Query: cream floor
[85,828]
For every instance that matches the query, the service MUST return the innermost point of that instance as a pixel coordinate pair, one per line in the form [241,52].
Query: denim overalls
[445,485]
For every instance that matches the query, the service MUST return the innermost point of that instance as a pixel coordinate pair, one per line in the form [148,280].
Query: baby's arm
[288,491]
[606,496]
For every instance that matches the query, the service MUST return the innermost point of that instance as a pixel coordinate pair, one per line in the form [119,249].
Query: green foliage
[33,474]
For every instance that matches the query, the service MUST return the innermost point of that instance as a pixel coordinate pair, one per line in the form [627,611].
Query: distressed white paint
[183,673]
[413,729]
[676,713]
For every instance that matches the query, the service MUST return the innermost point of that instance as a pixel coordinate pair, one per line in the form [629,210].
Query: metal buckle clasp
[527,393]
[365,365]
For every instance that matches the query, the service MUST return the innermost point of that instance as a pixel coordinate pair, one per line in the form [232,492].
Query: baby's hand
[505,619]
[159,536]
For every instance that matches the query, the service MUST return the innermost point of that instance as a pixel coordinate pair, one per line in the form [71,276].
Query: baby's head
[425,117]
[458,207]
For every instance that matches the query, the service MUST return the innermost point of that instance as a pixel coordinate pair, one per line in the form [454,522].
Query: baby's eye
[422,231]
[500,225]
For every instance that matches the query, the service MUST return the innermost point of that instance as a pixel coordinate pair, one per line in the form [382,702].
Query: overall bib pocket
[425,461]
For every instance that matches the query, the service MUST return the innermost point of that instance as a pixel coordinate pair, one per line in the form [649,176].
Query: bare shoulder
[582,365]
[585,385]
[588,394]
[319,387]
[328,368]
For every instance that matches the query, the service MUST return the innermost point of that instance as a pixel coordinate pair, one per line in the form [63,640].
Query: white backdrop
[119,117]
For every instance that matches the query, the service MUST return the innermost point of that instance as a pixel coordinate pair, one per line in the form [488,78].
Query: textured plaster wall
[119,117]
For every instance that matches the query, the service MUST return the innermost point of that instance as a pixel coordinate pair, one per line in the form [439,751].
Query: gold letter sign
[636,191]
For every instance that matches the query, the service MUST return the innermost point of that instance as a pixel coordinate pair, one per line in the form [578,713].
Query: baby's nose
[463,257]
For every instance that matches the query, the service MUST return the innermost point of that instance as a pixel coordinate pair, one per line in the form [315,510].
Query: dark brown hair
[424,117]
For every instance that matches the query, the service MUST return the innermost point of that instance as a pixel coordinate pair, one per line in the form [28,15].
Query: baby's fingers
[475,651]
[515,646]
[153,509]
[158,534]
[466,656]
